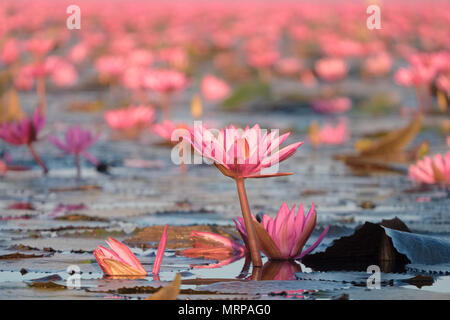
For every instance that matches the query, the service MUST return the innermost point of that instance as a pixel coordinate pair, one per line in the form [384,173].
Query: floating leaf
[395,141]
[10,108]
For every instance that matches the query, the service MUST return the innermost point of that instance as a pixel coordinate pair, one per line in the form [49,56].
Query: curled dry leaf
[381,153]
[10,107]
[169,292]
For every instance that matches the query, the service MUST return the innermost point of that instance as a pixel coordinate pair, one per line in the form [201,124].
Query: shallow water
[129,199]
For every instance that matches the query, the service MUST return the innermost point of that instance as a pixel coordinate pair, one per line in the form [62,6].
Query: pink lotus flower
[334,105]
[40,46]
[214,89]
[284,237]
[378,65]
[240,155]
[431,170]
[213,246]
[243,153]
[289,66]
[62,73]
[133,117]
[164,81]
[77,141]
[10,51]
[25,132]
[166,129]
[120,261]
[328,134]
[140,58]
[331,69]
[263,58]
[414,76]
[25,77]
[110,67]
[78,53]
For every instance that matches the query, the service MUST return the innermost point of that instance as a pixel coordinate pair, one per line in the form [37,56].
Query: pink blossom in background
[164,80]
[431,170]
[25,77]
[110,66]
[329,134]
[333,105]
[62,72]
[78,53]
[76,142]
[166,129]
[140,58]
[378,65]
[214,89]
[289,66]
[131,117]
[10,51]
[23,132]
[40,46]
[331,69]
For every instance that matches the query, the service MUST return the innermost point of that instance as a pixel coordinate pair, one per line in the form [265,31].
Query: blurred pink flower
[10,51]
[131,117]
[333,105]
[77,141]
[330,134]
[288,233]
[110,66]
[25,77]
[140,58]
[214,89]
[78,53]
[431,170]
[289,66]
[166,129]
[378,65]
[62,73]
[331,69]
[163,80]
[25,132]
[40,46]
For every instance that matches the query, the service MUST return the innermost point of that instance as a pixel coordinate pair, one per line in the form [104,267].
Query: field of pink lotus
[220,149]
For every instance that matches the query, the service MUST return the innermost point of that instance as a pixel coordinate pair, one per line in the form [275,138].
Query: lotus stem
[248,220]
[37,158]
[256,273]
[77,164]
[165,105]
[41,92]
